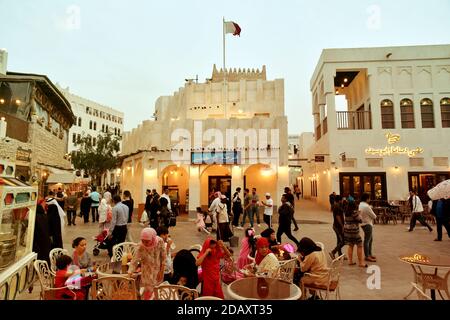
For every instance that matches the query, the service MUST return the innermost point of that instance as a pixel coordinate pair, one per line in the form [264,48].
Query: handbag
[144,217]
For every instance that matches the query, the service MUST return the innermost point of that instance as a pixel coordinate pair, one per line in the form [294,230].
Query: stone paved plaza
[390,241]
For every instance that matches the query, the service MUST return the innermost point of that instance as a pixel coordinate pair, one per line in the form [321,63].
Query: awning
[61,178]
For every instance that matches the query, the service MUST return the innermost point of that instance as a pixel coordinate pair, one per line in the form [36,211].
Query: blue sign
[222,157]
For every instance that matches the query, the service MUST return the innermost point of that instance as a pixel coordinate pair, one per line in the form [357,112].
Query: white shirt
[268,210]
[269,264]
[416,204]
[366,213]
[168,201]
[214,205]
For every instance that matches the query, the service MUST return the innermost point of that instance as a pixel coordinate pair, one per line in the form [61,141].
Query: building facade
[236,116]
[37,119]
[93,119]
[392,135]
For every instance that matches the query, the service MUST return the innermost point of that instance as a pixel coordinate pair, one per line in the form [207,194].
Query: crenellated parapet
[233,75]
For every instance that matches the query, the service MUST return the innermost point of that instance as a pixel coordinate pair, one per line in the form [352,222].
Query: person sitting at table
[185,270]
[65,270]
[248,248]
[80,256]
[151,255]
[270,235]
[313,262]
[209,258]
[265,262]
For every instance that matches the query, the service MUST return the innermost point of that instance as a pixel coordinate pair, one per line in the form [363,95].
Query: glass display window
[22,197]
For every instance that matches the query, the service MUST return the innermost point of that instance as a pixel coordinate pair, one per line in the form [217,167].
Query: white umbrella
[440,191]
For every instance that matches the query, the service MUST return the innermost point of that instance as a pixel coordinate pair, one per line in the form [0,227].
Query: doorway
[219,183]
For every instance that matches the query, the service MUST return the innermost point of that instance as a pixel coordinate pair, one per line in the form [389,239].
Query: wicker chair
[114,288]
[47,281]
[55,254]
[286,270]
[174,292]
[332,285]
[120,248]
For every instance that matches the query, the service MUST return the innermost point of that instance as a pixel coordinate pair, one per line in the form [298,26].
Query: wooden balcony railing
[353,120]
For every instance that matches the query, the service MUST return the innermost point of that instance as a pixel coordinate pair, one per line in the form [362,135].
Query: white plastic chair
[120,248]
[286,270]
[54,255]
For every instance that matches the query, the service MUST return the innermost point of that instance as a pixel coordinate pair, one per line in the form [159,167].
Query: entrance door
[358,183]
[219,183]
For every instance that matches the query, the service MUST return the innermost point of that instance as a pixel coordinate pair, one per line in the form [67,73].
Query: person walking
[129,202]
[95,202]
[268,210]
[72,207]
[254,207]
[154,208]
[148,201]
[246,209]
[223,231]
[367,217]
[118,230]
[213,209]
[61,198]
[166,195]
[104,215]
[441,210]
[164,213]
[236,207]
[285,213]
[338,226]
[291,200]
[107,196]
[331,199]
[85,207]
[417,212]
[351,233]
[297,192]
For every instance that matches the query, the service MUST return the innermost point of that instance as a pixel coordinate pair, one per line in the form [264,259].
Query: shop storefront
[357,183]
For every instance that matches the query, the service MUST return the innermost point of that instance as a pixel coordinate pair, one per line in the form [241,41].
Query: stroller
[101,242]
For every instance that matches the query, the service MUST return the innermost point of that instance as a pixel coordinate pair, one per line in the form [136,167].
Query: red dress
[211,272]
[65,294]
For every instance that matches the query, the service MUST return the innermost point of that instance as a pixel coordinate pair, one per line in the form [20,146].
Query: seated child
[65,270]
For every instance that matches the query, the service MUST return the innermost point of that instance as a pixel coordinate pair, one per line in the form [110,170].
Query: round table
[417,260]
[259,288]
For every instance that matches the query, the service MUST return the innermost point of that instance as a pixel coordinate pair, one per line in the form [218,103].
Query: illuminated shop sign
[225,157]
[388,151]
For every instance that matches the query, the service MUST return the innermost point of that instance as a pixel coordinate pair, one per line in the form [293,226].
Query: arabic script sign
[388,151]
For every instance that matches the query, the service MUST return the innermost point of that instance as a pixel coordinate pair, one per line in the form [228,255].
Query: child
[208,221]
[200,221]
[163,233]
[64,271]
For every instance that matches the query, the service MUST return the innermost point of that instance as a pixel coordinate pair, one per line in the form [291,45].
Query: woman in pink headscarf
[152,256]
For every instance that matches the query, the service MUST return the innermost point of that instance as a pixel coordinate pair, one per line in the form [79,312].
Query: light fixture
[324,172]
[342,85]
[337,91]
[18,101]
[2,101]
[345,80]
[240,111]
[396,168]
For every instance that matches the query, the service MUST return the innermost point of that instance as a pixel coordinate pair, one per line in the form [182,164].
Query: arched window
[426,111]
[445,112]
[407,113]
[95,125]
[94,141]
[115,131]
[387,114]
[79,121]
[90,124]
[74,137]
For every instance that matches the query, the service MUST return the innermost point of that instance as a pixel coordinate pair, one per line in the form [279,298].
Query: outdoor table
[380,212]
[432,280]
[259,288]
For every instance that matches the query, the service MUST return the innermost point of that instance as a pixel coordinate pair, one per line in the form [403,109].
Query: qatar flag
[232,27]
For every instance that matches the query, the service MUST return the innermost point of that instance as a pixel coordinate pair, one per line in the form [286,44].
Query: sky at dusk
[125,54]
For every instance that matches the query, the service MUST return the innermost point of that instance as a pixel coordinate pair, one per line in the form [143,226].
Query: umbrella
[440,191]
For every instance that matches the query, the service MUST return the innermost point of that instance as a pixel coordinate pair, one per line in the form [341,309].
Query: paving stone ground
[390,241]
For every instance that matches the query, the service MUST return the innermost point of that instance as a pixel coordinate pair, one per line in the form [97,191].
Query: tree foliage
[96,160]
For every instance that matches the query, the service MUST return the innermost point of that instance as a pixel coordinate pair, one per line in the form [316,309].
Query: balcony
[353,120]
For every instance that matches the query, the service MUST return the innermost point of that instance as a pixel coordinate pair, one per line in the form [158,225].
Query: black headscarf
[308,246]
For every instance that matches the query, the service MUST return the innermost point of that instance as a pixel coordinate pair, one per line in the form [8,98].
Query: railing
[324,126]
[353,120]
[318,132]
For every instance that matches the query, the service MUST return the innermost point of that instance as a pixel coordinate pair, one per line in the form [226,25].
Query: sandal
[352,263]
[363,265]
